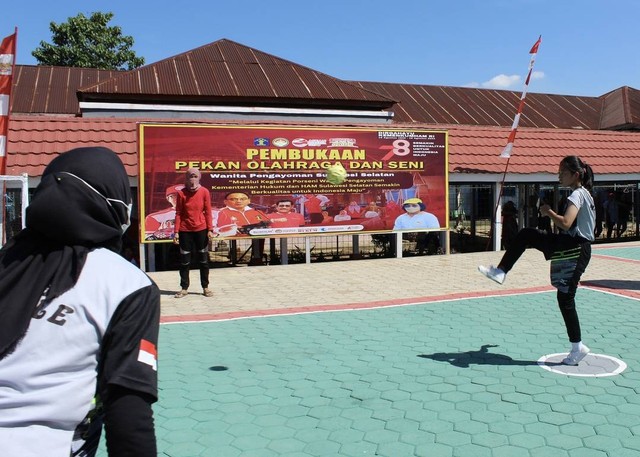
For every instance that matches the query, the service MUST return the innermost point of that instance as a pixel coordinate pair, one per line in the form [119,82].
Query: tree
[88,42]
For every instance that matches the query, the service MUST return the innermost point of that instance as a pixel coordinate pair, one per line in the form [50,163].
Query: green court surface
[631,253]
[456,378]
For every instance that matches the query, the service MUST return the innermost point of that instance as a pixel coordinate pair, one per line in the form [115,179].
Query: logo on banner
[343,142]
[313,143]
[280,142]
[261,141]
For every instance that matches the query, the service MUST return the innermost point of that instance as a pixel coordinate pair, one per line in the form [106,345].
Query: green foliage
[88,42]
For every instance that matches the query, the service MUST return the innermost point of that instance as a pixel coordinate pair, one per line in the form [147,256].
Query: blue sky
[589,47]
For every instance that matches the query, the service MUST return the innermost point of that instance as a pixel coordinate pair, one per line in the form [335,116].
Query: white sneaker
[574,357]
[493,273]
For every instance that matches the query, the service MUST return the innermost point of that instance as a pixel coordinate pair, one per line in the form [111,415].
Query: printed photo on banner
[293,181]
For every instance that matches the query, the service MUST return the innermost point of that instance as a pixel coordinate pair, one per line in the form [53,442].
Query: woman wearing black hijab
[78,323]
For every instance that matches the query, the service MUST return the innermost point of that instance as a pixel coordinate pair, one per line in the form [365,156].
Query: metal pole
[355,240]
[3,208]
[497,226]
[143,258]
[284,254]
[447,242]
[25,199]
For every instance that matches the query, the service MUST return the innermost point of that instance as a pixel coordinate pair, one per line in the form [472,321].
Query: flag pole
[508,149]
[506,152]
[8,48]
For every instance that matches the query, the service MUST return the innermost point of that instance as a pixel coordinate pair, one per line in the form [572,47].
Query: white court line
[552,368]
[608,291]
[261,313]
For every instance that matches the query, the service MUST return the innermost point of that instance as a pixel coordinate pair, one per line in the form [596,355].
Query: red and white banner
[506,152]
[271,165]
[7,62]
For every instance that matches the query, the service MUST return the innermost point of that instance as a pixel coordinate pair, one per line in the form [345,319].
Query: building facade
[54,109]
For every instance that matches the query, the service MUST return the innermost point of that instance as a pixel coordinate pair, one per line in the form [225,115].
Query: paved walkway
[416,357]
[250,291]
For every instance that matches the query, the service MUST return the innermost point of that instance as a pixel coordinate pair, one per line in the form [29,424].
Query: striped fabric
[563,267]
[506,152]
[7,59]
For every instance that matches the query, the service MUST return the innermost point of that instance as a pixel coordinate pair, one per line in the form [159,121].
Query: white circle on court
[593,365]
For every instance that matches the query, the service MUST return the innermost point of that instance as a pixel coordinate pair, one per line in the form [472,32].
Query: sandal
[182,293]
[207,292]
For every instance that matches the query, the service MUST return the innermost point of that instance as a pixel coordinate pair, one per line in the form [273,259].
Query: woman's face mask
[193,181]
[411,208]
[127,224]
[110,201]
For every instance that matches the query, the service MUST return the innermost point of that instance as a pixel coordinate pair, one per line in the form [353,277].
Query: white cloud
[537,75]
[503,81]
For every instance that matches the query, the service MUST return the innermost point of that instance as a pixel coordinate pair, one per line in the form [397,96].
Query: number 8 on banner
[398,148]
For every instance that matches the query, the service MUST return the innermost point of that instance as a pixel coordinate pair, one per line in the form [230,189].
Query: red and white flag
[506,152]
[7,64]
[148,354]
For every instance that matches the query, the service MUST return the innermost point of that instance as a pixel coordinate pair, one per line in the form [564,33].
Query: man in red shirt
[159,225]
[237,218]
[194,228]
[237,213]
[283,217]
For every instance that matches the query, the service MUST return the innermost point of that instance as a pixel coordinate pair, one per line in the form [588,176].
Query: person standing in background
[193,230]
[624,210]
[509,223]
[611,214]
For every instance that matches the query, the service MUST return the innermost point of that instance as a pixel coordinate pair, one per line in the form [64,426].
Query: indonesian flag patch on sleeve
[148,354]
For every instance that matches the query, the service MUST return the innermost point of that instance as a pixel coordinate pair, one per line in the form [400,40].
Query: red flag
[7,64]
[535,47]
[148,354]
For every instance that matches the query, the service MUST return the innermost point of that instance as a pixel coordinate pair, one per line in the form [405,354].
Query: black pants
[190,243]
[569,259]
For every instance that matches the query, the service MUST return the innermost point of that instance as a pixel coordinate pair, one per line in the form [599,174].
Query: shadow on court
[622,284]
[480,357]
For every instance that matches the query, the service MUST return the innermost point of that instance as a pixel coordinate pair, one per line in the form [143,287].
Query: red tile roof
[477,150]
[225,72]
[34,141]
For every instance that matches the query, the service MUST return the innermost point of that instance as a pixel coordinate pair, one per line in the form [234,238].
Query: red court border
[347,306]
[375,304]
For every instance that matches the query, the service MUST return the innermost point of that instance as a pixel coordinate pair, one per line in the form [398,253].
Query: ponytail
[587,177]
[575,165]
